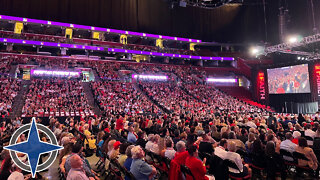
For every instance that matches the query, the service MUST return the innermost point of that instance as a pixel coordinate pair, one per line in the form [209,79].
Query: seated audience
[308,152]
[139,168]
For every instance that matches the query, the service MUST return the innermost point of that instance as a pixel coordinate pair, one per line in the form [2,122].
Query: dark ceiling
[231,23]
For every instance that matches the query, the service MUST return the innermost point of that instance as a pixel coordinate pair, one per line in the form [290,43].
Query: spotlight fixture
[256,50]
[294,39]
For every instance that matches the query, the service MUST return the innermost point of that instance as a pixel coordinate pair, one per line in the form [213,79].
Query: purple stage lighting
[98,48]
[222,80]
[53,23]
[148,53]
[38,72]
[149,77]
[51,44]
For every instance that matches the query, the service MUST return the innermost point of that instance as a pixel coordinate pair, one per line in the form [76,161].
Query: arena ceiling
[230,23]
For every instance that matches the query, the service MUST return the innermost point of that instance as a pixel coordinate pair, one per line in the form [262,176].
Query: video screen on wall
[291,79]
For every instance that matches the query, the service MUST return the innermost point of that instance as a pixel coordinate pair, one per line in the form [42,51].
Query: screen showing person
[291,79]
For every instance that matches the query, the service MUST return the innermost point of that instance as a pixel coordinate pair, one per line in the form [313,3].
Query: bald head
[76,161]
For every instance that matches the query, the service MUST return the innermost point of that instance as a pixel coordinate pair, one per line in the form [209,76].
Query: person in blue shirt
[131,136]
[139,168]
[127,163]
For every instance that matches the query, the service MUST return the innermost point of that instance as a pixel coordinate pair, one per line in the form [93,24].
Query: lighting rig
[286,48]
[208,4]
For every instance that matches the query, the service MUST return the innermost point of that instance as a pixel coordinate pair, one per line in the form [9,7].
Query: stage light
[38,72]
[302,58]
[221,80]
[294,39]
[299,57]
[254,51]
[150,77]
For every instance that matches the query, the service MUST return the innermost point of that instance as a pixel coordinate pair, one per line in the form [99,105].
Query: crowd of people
[139,144]
[144,125]
[107,70]
[9,89]
[173,98]
[55,95]
[122,97]
[217,99]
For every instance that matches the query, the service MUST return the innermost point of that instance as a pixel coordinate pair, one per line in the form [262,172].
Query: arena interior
[162,89]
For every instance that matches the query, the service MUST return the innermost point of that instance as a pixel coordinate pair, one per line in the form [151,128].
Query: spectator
[139,168]
[196,166]
[275,163]
[205,146]
[169,152]
[220,151]
[308,152]
[131,136]
[141,141]
[310,133]
[244,170]
[232,138]
[122,150]
[296,135]
[288,145]
[77,150]
[76,171]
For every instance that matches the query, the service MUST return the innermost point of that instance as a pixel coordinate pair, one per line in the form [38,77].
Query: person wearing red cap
[115,151]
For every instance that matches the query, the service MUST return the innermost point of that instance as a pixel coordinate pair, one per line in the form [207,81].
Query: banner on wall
[261,86]
[18,27]
[317,72]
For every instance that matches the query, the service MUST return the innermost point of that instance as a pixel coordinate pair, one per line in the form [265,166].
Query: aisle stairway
[243,94]
[88,91]
[12,71]
[19,100]
[140,89]
[96,76]
[190,94]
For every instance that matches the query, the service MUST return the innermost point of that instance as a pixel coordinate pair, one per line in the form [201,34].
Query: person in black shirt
[205,146]
[141,141]
[271,120]
[5,172]
[176,136]
[244,135]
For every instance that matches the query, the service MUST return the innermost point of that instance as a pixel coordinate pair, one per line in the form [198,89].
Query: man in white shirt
[310,133]
[220,151]
[16,174]
[251,124]
[288,145]
[243,170]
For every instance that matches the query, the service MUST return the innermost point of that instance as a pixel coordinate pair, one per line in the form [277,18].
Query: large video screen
[291,79]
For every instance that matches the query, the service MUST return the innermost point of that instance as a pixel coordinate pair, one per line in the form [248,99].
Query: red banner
[317,71]
[261,86]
